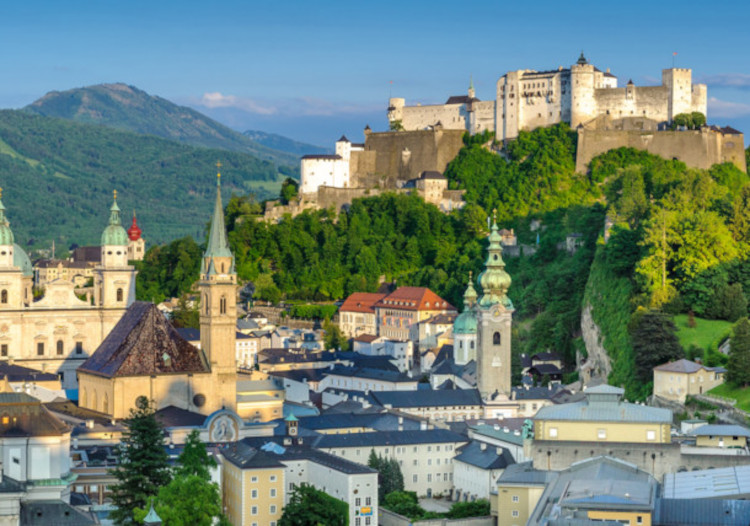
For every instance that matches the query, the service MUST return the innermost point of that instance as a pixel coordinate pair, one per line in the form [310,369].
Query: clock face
[496,312]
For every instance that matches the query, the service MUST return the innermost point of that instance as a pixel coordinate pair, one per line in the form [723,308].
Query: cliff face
[598,363]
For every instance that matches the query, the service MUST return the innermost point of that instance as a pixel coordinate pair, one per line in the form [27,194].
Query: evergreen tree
[311,507]
[738,368]
[142,463]
[654,343]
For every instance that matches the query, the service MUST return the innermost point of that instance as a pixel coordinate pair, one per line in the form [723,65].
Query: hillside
[128,108]
[285,144]
[57,178]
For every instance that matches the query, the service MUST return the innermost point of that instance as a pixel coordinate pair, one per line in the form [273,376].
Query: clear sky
[313,70]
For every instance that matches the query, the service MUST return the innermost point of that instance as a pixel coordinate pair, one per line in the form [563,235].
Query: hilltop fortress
[425,138]
[528,99]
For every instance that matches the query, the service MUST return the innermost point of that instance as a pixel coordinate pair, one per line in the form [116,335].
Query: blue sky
[314,70]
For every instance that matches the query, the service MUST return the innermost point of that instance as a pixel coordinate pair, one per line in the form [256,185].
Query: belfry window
[496,339]
[4,296]
[60,347]
[223,305]
[119,294]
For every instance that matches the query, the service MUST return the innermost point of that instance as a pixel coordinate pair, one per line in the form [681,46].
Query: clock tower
[494,312]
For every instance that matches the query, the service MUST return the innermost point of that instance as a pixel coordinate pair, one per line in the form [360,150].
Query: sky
[314,70]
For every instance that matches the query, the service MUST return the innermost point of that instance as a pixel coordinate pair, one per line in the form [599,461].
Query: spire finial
[1,193]
[471,81]
[218,172]
[471,274]
[114,192]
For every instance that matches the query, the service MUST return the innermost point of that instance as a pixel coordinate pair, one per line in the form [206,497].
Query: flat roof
[707,483]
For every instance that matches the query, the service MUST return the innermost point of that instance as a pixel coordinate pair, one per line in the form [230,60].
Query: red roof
[366,338]
[134,233]
[414,298]
[361,302]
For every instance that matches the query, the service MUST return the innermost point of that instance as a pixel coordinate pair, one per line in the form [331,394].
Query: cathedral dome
[22,261]
[114,234]
[6,234]
[466,323]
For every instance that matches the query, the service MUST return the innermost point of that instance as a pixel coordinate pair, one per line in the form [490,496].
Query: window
[553,432]
[79,347]
[496,339]
[368,501]
[4,349]
[358,502]
[601,434]
[60,347]
[357,521]
[254,510]
[414,478]
[254,479]
[4,296]
[223,305]
[273,492]
[273,478]
[40,349]
[119,294]
[367,520]
[515,498]
[273,509]
[429,477]
[650,435]
[639,520]
[514,513]
[254,494]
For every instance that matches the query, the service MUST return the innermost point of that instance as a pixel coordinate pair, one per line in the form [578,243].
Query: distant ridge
[285,144]
[128,108]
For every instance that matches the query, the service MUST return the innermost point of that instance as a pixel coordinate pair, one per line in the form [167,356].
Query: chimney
[400,419]
[482,446]
[90,424]
[499,451]
[423,426]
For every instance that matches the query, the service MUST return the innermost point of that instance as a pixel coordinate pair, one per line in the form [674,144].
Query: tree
[404,503]
[184,315]
[191,498]
[141,463]
[738,367]
[334,338]
[477,508]
[289,190]
[311,507]
[654,343]
[390,477]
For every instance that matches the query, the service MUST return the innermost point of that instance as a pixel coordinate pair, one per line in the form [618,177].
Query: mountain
[57,178]
[129,108]
[285,144]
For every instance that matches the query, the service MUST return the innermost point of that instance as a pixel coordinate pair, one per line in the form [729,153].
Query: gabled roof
[414,298]
[461,99]
[18,373]
[53,513]
[686,366]
[431,174]
[481,455]
[721,430]
[172,416]
[246,457]
[27,417]
[361,302]
[368,372]
[366,338]
[547,356]
[144,343]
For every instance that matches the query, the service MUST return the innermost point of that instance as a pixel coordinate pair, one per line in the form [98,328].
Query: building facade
[357,314]
[677,380]
[400,312]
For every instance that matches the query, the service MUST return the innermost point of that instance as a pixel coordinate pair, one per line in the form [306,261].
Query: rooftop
[428,398]
[414,298]
[484,456]
[686,366]
[361,302]
[603,404]
[721,430]
[733,482]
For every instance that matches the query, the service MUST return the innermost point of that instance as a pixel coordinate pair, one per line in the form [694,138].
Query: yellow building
[260,400]
[79,272]
[58,332]
[253,486]
[677,380]
[603,417]
[717,435]
[399,313]
[519,489]
[144,354]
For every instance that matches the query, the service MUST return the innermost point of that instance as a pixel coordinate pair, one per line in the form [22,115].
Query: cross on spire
[114,192]
[218,169]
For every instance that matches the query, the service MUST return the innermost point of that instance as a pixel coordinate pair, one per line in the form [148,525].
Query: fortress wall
[420,117]
[484,116]
[338,197]
[648,101]
[400,156]
[696,148]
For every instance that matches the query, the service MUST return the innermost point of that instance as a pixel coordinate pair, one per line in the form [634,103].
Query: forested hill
[285,144]
[57,178]
[128,108]
[694,224]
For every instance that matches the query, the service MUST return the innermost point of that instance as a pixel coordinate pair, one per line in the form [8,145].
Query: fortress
[528,99]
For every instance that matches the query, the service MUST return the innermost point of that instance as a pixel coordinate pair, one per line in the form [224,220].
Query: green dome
[466,323]
[114,234]
[6,234]
[494,280]
[22,261]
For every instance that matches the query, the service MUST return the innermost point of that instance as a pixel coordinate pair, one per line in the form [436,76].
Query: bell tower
[494,315]
[114,279]
[218,309]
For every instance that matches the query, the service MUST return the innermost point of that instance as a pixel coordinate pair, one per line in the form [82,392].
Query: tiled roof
[53,513]
[428,398]
[484,456]
[721,430]
[431,174]
[172,416]
[388,438]
[595,410]
[18,373]
[708,512]
[545,368]
[361,302]
[547,356]
[414,298]
[27,417]
[366,338]
[246,457]
[368,372]
[333,157]
[299,375]
[461,99]
[686,366]
[144,343]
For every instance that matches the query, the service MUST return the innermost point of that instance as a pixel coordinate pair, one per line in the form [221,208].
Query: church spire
[494,281]
[470,296]
[217,237]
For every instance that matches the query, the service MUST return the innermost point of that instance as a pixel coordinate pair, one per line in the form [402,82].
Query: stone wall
[389,518]
[697,148]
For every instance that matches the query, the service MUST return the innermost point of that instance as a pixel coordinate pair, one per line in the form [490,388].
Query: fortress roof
[333,157]
[461,99]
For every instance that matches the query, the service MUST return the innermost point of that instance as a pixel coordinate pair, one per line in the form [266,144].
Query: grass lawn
[742,395]
[706,333]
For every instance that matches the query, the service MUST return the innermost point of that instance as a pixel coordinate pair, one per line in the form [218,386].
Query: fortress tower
[218,312]
[582,84]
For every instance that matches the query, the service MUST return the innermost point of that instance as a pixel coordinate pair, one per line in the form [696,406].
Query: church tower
[218,311]
[114,281]
[465,329]
[15,268]
[494,314]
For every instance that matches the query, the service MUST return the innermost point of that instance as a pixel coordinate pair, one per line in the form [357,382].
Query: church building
[144,354]
[57,332]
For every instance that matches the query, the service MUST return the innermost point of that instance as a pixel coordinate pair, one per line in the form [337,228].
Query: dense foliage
[309,506]
[738,368]
[58,178]
[654,343]
[390,477]
[142,467]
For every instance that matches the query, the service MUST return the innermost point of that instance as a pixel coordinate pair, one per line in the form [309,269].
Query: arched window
[4,296]
[60,347]
[105,404]
[119,294]
[471,344]
[496,339]
[222,268]
[223,305]
[83,397]
[205,302]
[93,401]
